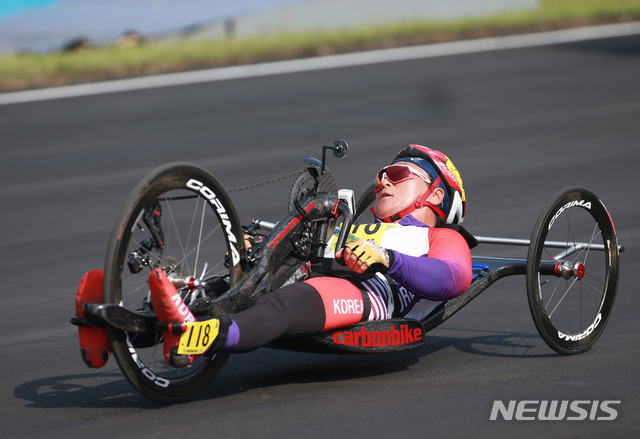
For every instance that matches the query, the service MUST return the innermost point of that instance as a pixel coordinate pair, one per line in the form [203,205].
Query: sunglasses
[397,174]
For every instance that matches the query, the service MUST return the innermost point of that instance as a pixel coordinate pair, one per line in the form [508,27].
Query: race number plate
[198,337]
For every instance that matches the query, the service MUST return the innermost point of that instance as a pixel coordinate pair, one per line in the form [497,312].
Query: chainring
[309,183]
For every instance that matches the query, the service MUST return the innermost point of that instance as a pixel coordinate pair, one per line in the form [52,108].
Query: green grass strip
[31,70]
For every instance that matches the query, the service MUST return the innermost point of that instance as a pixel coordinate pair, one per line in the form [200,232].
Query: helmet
[444,175]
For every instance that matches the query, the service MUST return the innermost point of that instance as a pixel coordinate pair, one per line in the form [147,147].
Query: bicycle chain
[266,182]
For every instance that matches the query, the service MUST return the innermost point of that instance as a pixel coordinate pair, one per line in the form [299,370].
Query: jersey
[430,265]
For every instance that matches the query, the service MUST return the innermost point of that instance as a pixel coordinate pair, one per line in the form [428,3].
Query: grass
[31,70]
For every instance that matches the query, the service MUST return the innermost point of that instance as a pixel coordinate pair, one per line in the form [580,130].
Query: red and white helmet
[454,205]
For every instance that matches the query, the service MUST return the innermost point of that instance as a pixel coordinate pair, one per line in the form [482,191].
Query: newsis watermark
[552,410]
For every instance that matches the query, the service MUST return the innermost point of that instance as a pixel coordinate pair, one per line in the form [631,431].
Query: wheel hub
[566,271]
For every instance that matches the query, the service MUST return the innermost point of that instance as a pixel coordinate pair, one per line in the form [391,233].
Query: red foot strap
[94,343]
[169,308]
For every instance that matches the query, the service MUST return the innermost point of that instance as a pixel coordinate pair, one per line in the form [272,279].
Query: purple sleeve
[411,272]
[442,277]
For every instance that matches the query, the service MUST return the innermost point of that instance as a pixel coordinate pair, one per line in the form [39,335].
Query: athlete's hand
[363,255]
[252,240]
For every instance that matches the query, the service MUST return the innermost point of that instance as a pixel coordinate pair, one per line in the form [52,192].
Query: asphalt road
[519,124]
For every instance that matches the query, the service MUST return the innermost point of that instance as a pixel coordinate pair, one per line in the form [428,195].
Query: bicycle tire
[571,299]
[195,221]
[365,200]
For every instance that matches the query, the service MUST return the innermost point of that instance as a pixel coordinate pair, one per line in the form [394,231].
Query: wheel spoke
[571,284]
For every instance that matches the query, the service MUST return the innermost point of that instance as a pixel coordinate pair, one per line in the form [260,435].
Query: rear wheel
[180,219]
[572,270]
[365,200]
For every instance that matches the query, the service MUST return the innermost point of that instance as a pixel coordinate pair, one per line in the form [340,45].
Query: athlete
[404,265]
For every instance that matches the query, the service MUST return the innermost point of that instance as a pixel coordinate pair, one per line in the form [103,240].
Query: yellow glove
[363,255]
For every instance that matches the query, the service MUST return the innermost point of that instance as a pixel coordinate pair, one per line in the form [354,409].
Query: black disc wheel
[305,185]
[179,219]
[309,183]
[572,270]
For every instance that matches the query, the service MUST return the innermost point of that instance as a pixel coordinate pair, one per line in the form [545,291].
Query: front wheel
[572,270]
[179,219]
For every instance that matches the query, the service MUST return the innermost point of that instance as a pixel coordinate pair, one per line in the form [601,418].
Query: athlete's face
[393,198]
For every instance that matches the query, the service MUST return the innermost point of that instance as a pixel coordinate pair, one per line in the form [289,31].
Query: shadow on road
[270,368]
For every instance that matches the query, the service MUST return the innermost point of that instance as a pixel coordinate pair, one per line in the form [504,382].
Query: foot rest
[94,342]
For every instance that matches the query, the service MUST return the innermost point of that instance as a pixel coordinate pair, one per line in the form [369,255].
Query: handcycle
[180,219]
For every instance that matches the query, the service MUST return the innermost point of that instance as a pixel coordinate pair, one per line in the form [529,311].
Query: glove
[363,255]
[253,240]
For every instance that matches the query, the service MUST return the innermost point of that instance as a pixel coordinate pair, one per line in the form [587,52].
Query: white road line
[325,62]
